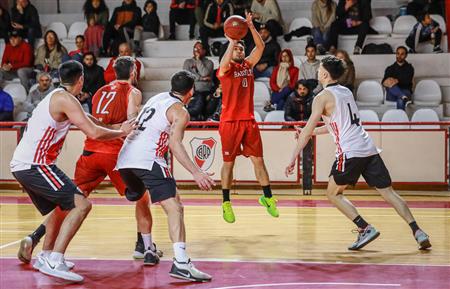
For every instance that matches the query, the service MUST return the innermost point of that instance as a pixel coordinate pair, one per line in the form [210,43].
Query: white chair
[300,22]
[382,25]
[403,25]
[274,116]
[258,117]
[21,116]
[103,62]
[370,92]
[367,115]
[439,19]
[2,47]
[77,28]
[59,28]
[17,92]
[261,96]
[425,115]
[395,115]
[427,92]
[142,70]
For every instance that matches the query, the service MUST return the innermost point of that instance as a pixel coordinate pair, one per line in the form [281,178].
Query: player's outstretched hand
[249,19]
[298,131]
[204,180]
[290,169]
[128,126]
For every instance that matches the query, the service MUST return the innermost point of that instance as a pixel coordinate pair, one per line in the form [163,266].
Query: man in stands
[124,50]
[269,58]
[18,54]
[182,12]
[425,30]
[38,93]
[25,18]
[268,12]
[78,53]
[398,79]
[310,67]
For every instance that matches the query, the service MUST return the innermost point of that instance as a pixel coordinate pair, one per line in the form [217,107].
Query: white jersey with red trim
[345,126]
[43,138]
[150,140]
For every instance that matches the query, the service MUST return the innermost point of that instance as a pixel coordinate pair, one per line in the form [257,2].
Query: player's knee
[179,208]
[85,207]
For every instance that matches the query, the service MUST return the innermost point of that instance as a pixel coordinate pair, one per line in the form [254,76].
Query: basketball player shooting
[238,127]
[356,154]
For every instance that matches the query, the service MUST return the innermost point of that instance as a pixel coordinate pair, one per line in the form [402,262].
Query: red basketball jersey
[238,85]
[109,105]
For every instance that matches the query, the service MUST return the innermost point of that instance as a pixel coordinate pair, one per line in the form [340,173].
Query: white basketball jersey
[43,138]
[150,140]
[345,126]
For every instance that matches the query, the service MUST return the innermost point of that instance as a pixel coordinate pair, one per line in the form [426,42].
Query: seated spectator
[348,78]
[149,28]
[182,12]
[6,106]
[124,50]
[299,103]
[310,68]
[283,79]
[121,26]
[416,7]
[216,14]
[77,54]
[214,104]
[398,79]
[268,12]
[323,13]
[25,18]
[93,77]
[37,94]
[425,30]
[199,11]
[353,17]
[240,6]
[270,54]
[5,24]
[97,15]
[17,59]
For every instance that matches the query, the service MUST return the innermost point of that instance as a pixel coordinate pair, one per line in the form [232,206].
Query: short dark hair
[69,72]
[311,45]
[80,36]
[402,47]
[334,66]
[304,83]
[123,66]
[182,82]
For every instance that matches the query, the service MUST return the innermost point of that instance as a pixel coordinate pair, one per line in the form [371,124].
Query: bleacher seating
[262,95]
[425,115]
[395,115]
[428,93]
[59,28]
[258,117]
[17,92]
[274,116]
[369,93]
[77,28]
[367,115]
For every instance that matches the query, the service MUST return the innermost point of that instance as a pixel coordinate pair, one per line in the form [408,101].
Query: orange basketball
[235,27]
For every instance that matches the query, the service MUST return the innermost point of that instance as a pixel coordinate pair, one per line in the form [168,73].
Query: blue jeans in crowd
[395,93]
[319,36]
[265,73]
[279,98]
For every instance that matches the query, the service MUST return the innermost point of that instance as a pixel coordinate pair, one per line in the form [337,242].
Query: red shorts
[92,168]
[240,137]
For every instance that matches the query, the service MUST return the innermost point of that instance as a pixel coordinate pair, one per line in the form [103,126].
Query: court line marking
[10,244]
[310,283]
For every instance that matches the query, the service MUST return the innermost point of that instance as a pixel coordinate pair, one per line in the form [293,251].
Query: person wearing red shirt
[18,55]
[182,12]
[238,130]
[124,50]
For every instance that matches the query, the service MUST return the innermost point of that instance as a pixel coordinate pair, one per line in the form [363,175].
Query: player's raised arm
[179,118]
[227,57]
[257,52]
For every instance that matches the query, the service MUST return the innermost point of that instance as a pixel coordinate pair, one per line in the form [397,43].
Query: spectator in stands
[398,79]
[240,6]
[77,54]
[416,7]
[149,27]
[182,12]
[299,103]
[270,55]
[5,24]
[17,59]
[216,14]
[323,13]
[6,106]
[425,30]
[348,78]
[37,93]
[93,77]
[97,15]
[25,18]
[353,17]
[121,26]
[283,80]
[310,67]
[124,50]
[268,12]
[199,11]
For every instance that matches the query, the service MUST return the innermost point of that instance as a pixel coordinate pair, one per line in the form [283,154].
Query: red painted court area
[107,274]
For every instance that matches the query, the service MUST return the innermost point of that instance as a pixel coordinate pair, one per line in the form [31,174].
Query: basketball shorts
[158,181]
[240,137]
[93,167]
[347,171]
[48,187]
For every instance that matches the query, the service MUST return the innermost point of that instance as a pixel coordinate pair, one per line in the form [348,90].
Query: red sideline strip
[247,203]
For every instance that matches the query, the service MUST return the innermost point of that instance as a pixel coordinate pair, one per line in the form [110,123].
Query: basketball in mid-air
[235,27]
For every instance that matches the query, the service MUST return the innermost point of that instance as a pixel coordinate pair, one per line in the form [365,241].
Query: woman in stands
[323,13]
[97,16]
[348,78]
[50,54]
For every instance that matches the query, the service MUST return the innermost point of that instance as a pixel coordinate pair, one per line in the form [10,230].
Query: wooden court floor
[309,230]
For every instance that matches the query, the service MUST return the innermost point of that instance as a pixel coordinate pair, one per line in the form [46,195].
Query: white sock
[148,243]
[46,253]
[179,250]
[56,257]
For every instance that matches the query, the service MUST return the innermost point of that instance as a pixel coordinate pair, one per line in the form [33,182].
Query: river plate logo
[203,151]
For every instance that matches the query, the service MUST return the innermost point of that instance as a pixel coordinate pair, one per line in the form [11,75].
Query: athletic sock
[179,249]
[38,234]
[139,238]
[360,222]
[46,253]
[414,227]
[226,195]
[148,243]
[267,191]
[56,257]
